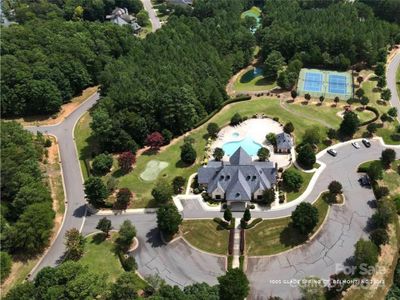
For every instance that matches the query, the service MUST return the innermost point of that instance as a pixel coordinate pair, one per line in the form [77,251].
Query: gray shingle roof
[284,141]
[238,181]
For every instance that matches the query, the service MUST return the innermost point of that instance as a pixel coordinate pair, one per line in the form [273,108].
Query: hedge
[254,223]
[230,261]
[231,241]
[241,262]
[87,166]
[242,241]
[375,111]
[213,113]
[128,263]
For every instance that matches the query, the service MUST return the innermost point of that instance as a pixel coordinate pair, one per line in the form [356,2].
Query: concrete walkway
[236,244]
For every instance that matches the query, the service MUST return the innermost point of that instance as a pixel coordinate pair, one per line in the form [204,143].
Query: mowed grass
[387,132]
[365,115]
[292,195]
[100,256]
[206,235]
[299,116]
[277,235]
[258,83]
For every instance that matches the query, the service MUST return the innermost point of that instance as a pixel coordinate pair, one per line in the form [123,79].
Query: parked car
[332,152]
[366,143]
[356,145]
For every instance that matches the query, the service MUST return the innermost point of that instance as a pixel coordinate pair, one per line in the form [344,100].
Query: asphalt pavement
[391,82]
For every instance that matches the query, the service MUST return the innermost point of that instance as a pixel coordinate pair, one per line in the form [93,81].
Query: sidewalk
[236,245]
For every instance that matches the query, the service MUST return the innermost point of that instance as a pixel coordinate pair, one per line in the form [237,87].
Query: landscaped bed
[277,235]
[206,235]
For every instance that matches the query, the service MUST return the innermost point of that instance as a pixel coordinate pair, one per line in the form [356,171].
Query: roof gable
[240,157]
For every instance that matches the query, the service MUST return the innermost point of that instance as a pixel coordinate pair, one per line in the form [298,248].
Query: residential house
[121,16]
[284,142]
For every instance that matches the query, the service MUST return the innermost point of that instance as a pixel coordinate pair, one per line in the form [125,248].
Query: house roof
[284,141]
[239,179]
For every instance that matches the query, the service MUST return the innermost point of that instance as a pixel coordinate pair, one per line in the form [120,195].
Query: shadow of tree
[291,237]
[98,238]
[154,238]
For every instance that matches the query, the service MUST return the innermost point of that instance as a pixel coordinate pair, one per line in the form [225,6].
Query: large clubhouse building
[239,180]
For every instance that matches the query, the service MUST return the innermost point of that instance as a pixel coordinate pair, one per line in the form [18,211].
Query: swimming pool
[248,144]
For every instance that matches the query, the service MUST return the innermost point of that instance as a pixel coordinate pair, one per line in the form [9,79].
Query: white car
[356,145]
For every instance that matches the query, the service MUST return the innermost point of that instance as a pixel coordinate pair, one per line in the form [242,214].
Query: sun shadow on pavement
[154,238]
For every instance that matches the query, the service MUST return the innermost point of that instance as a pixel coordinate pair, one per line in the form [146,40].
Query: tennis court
[329,84]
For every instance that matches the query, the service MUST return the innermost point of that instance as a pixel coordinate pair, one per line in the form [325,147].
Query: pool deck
[256,129]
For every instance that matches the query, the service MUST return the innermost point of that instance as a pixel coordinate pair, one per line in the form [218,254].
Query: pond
[251,74]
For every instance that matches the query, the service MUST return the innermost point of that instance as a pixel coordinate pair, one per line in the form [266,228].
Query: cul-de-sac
[200,149]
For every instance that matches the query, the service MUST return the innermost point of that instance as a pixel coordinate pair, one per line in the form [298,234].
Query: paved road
[178,263]
[155,21]
[391,82]
[334,244]
[75,210]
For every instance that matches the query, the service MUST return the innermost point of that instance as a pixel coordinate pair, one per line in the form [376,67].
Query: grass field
[290,196]
[388,131]
[256,83]
[365,115]
[277,235]
[206,235]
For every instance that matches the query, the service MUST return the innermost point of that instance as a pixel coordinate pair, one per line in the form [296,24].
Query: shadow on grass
[181,164]
[291,237]
[264,81]
[118,173]
[98,238]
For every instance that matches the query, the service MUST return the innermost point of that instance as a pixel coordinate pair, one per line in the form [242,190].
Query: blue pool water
[248,145]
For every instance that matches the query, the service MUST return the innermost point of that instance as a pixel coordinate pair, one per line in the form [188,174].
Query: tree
[321,99]
[366,254]
[247,215]
[379,237]
[392,112]
[213,129]
[228,214]
[177,184]
[288,128]
[218,154]
[168,219]
[234,285]
[331,133]
[307,96]
[21,291]
[124,197]
[188,154]
[292,180]
[104,225]
[312,288]
[364,101]
[306,156]
[384,214]
[380,69]
[167,135]
[336,100]
[263,154]
[283,80]
[350,124]
[142,17]
[335,187]
[387,157]
[381,191]
[381,82]
[293,94]
[75,244]
[372,128]
[236,119]
[312,136]
[360,93]
[126,160]
[96,191]
[305,217]
[386,94]
[273,64]
[102,164]
[375,171]
[5,263]
[268,196]
[154,140]
[124,287]
[271,138]
[126,234]
[162,192]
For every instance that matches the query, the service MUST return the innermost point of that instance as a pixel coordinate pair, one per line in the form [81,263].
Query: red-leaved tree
[126,160]
[154,140]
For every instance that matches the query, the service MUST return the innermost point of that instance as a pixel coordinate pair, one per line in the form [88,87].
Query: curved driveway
[76,207]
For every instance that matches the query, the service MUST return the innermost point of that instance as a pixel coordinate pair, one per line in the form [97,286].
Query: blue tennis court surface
[337,84]
[313,82]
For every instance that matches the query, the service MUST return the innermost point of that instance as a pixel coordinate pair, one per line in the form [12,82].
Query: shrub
[126,160]
[384,214]
[242,241]
[188,154]
[228,214]
[288,128]
[102,164]
[126,234]
[213,129]
[231,241]
[387,157]
[5,263]
[380,191]
[124,197]
[379,236]
[236,119]
[47,143]
[247,215]
[128,263]
[375,171]
[292,180]
[178,184]
[167,135]
[366,253]
[243,223]
[218,154]
[254,223]
[335,187]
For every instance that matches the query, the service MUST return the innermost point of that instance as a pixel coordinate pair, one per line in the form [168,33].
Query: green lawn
[299,115]
[277,235]
[365,115]
[254,11]
[292,195]
[206,235]
[100,257]
[388,131]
